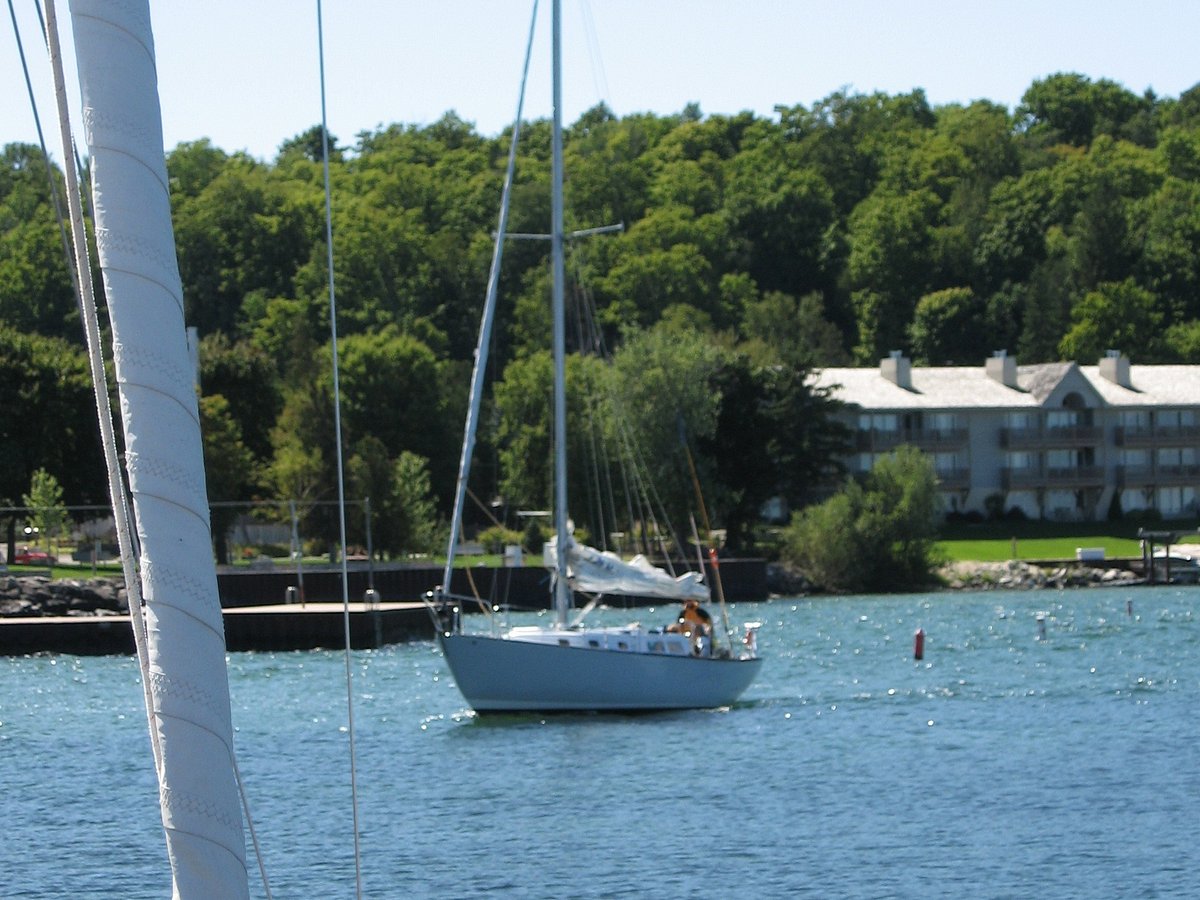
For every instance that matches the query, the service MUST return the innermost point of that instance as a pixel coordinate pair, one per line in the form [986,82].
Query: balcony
[1162,436]
[954,479]
[1041,477]
[928,439]
[1043,438]
[1158,476]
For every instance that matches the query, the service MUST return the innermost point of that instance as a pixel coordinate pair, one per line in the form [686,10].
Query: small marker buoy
[1041,623]
[919,644]
[1129,608]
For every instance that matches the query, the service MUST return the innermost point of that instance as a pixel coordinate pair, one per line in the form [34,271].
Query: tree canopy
[754,250]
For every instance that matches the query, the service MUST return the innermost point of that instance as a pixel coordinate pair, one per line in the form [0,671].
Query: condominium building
[1055,440]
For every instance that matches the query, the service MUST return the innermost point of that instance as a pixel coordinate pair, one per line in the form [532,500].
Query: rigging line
[599,78]
[489,309]
[37,121]
[643,483]
[87,300]
[587,313]
[74,152]
[587,310]
[595,498]
[241,786]
[337,429]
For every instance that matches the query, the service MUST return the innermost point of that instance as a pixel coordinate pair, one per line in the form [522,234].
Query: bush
[497,537]
[875,535]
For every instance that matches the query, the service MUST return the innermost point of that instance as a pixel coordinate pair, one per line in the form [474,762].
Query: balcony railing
[1040,438]
[1162,436]
[954,479]
[878,440]
[1158,475]
[1012,479]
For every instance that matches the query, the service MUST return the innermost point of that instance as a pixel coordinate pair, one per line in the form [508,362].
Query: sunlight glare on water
[1018,759]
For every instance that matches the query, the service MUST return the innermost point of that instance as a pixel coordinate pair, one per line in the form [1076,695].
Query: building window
[878,422]
[1020,459]
[1177,501]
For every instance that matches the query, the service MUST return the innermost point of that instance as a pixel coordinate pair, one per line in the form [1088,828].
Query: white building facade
[1055,440]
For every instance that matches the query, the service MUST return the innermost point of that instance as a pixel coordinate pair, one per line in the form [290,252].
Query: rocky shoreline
[785,581]
[37,595]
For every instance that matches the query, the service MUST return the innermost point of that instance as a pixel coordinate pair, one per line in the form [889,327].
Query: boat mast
[562,596]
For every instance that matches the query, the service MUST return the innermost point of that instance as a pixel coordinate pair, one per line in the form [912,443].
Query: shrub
[497,537]
[877,534]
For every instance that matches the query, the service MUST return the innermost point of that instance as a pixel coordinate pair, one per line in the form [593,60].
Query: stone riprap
[37,595]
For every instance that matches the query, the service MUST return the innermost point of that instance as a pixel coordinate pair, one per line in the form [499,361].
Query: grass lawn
[999,541]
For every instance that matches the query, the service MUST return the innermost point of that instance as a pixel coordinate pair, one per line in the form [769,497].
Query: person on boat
[695,614]
[696,623]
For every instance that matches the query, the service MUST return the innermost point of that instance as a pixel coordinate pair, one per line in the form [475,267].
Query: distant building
[1056,440]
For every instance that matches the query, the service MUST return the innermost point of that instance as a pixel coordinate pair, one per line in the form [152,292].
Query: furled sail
[187,680]
[603,572]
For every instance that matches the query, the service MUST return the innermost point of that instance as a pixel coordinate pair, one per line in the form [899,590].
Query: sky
[245,73]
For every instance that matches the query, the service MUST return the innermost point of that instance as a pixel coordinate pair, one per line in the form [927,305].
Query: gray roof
[1151,386]
[970,387]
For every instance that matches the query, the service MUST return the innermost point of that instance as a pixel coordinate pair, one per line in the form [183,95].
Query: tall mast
[562,596]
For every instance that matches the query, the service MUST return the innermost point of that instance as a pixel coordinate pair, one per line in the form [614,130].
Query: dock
[276,627]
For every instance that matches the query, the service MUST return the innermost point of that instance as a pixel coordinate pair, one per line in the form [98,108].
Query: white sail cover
[603,572]
[188,683]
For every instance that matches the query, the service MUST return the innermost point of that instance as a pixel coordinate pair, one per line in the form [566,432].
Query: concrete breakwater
[29,596]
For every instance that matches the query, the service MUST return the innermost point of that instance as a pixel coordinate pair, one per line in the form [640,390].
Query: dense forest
[753,251]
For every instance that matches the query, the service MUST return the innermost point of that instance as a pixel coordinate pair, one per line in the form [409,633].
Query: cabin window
[592,642]
[656,646]
[563,642]
[621,645]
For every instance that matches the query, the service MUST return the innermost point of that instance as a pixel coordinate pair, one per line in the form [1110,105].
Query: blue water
[1003,765]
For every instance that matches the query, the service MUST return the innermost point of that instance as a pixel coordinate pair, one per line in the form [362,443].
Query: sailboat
[568,667]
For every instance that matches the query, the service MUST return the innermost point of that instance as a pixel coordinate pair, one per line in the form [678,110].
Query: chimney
[897,369]
[1115,368]
[1002,368]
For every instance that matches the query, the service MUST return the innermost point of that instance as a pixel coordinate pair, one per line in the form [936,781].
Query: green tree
[890,240]
[792,331]
[47,512]
[796,445]
[949,328]
[229,468]
[51,424]
[419,529]
[248,381]
[1069,108]
[874,535]
[1120,316]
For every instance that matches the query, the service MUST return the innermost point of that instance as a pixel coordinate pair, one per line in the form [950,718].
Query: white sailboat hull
[510,674]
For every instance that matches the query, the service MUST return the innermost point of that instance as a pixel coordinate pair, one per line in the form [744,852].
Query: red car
[27,557]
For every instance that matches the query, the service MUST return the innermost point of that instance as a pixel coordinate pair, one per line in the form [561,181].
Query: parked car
[27,557]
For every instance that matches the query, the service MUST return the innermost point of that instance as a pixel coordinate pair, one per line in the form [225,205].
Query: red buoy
[919,644]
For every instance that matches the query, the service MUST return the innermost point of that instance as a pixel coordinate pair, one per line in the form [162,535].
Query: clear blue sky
[244,73]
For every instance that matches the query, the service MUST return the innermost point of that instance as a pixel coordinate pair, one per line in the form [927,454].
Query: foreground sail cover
[603,572]
[186,641]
